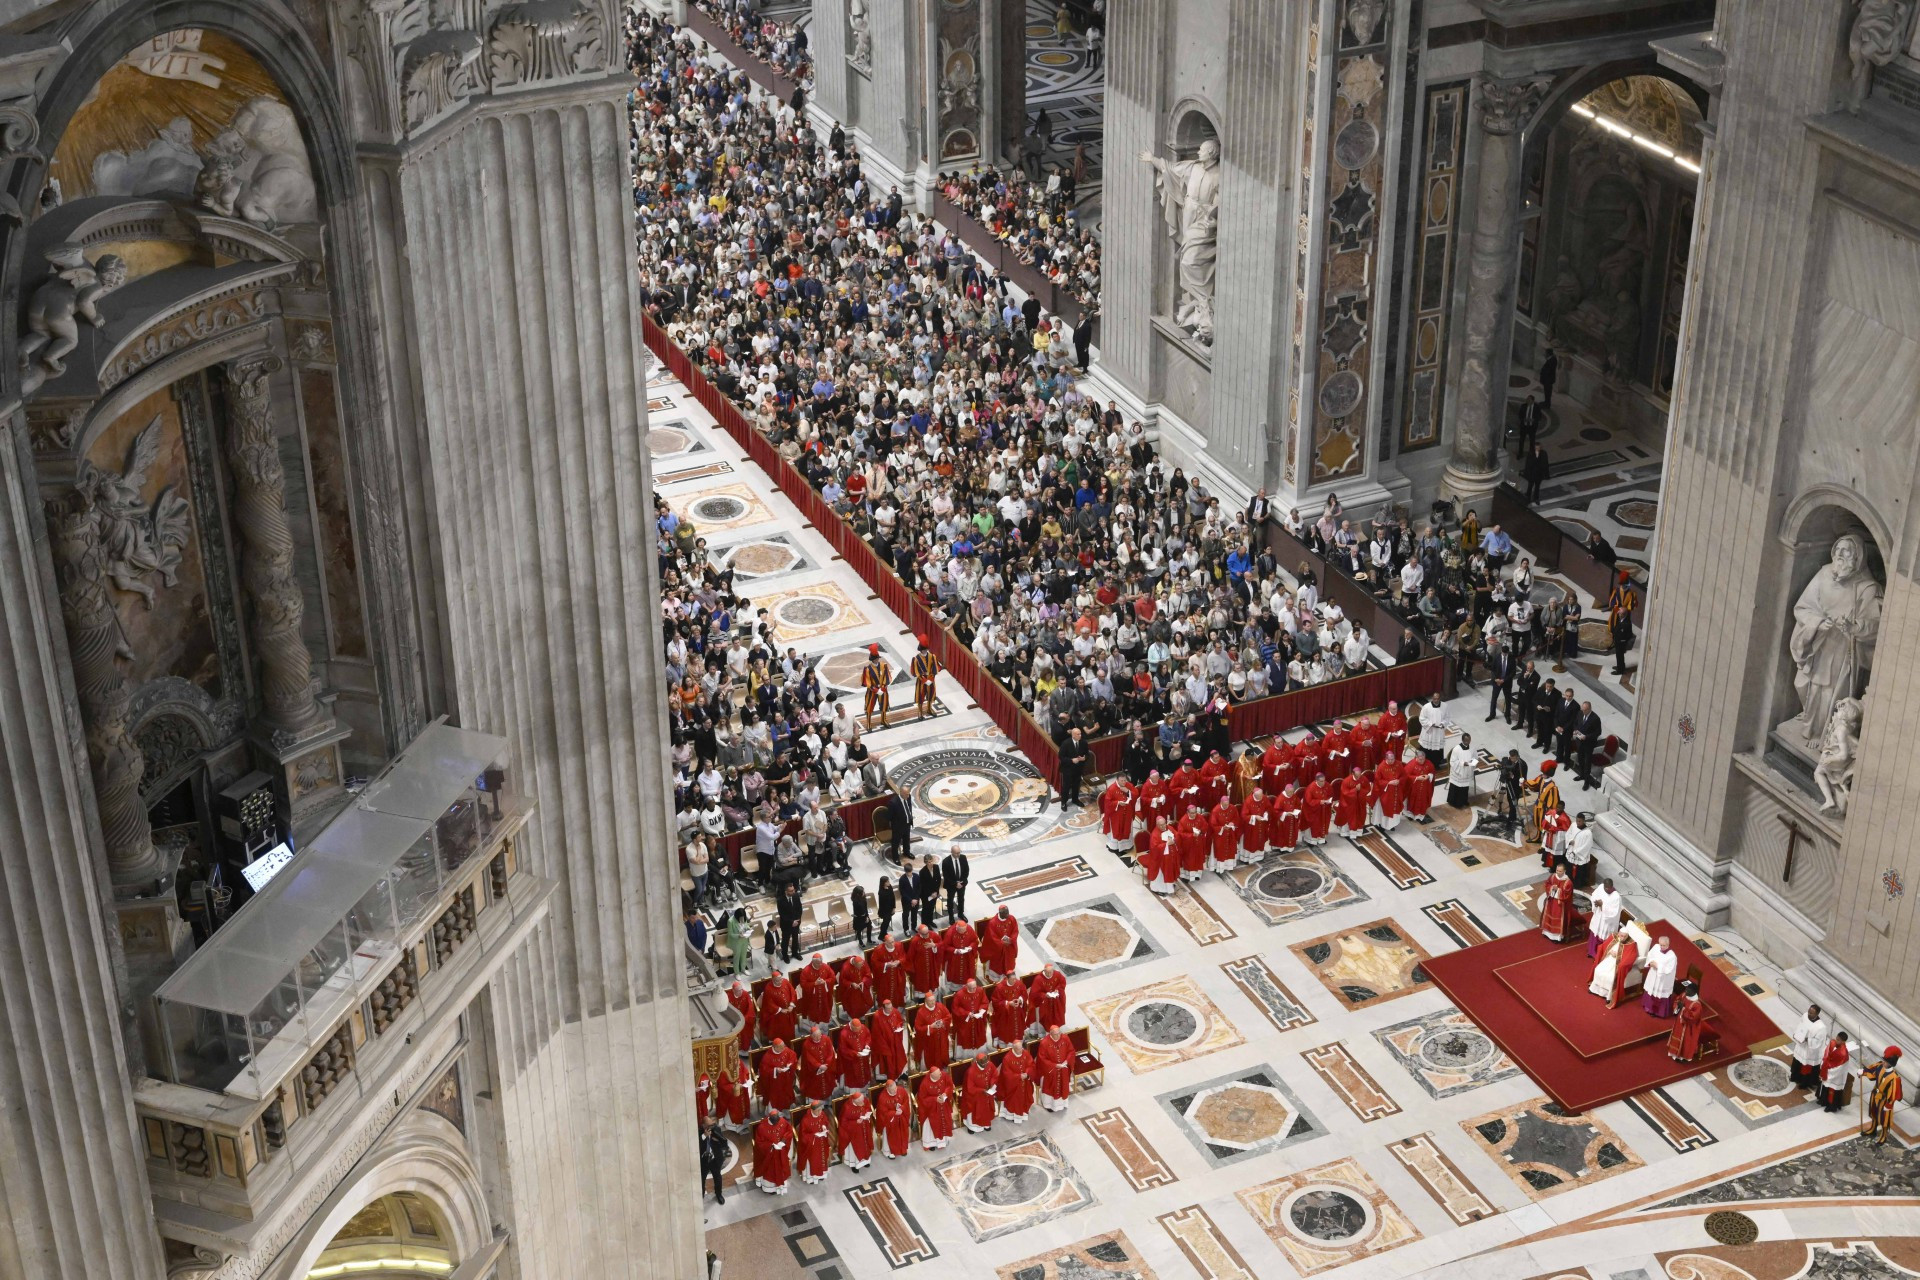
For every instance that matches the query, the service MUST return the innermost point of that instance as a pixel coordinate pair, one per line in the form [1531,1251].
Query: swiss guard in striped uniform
[925,667]
[1883,1094]
[877,678]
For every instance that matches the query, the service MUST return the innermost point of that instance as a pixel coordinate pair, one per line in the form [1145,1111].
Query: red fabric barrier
[1267,716]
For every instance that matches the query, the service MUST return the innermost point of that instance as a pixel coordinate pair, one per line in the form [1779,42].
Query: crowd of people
[937,413]
[781,45]
[1037,220]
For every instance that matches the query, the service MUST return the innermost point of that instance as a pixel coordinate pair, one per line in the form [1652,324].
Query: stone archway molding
[424,1154]
[1817,498]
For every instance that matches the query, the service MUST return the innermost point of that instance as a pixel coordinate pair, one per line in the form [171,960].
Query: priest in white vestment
[1656,996]
[1608,903]
[1809,1046]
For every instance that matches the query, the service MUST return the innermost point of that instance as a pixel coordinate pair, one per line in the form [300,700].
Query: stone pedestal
[309,770]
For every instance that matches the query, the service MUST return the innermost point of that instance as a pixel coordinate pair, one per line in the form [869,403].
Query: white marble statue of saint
[1835,623]
[1834,771]
[1190,199]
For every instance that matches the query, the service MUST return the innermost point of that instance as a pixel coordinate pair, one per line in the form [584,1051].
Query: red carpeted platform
[1530,995]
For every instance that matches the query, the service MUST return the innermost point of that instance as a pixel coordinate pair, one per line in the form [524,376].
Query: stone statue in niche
[1833,773]
[1190,200]
[1836,621]
[137,539]
[278,187]
[1872,42]
[862,28]
[71,294]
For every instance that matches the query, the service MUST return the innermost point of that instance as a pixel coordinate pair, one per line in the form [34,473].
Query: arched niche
[424,1157]
[1191,122]
[1833,577]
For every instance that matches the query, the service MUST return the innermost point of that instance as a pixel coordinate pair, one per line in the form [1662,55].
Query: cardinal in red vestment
[1215,783]
[1275,767]
[1155,801]
[969,1008]
[855,1123]
[1116,814]
[1287,809]
[1224,822]
[1195,839]
[1355,799]
[723,1091]
[819,1065]
[1000,943]
[1393,732]
[1338,745]
[741,999]
[1556,910]
[893,1118]
[1055,1069]
[1419,771]
[779,1071]
[739,1098]
[1184,787]
[815,1144]
[888,961]
[1047,997]
[1162,861]
[779,1005]
[1366,746]
[1683,1042]
[1010,1015]
[889,1029]
[1016,1083]
[855,988]
[979,1098]
[1256,824]
[933,1035]
[923,961]
[856,1055]
[1389,792]
[816,991]
[959,952]
[1316,809]
[936,1109]
[773,1152]
[1309,760]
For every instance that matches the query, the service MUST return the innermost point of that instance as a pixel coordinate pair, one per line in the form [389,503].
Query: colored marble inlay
[1156,1026]
[1258,982]
[1351,1081]
[1104,1257]
[1092,937]
[1294,886]
[1200,1240]
[1366,964]
[1011,1185]
[885,1215]
[1130,1152]
[1441,1178]
[1546,1150]
[1446,1053]
[1328,1217]
[1241,1115]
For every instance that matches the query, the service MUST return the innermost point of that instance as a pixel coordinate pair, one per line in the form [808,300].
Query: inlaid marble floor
[1286,1094]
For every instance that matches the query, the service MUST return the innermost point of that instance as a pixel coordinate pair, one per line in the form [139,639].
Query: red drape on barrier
[1250,719]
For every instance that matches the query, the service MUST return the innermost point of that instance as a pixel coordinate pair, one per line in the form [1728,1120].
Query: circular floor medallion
[806,611]
[718,509]
[1328,1214]
[663,441]
[1729,1227]
[1088,938]
[1762,1077]
[972,795]
[1011,1184]
[1162,1023]
[1456,1049]
[1341,393]
[1241,1115]
[757,559]
[1637,514]
[1289,882]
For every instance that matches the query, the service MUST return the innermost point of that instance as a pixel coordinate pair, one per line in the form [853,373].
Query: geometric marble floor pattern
[1286,1094]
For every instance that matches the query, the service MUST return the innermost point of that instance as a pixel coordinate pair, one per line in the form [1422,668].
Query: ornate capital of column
[1505,105]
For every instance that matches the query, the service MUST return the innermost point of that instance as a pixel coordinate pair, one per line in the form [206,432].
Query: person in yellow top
[877,679]
[1883,1094]
[925,666]
[1546,793]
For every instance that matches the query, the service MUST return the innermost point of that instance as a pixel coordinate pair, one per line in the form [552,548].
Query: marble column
[1132,230]
[73,1182]
[895,122]
[1493,263]
[95,643]
[519,221]
[827,37]
[266,565]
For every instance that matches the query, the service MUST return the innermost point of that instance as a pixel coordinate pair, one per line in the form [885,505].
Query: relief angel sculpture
[137,538]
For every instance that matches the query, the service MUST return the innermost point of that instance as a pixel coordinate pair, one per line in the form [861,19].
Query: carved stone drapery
[97,644]
[266,567]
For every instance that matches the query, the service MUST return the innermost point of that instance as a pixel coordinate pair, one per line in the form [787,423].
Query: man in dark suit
[1526,693]
[927,881]
[713,1160]
[788,906]
[954,873]
[1541,730]
[1534,471]
[1529,427]
[1565,716]
[1600,549]
[900,816]
[1501,670]
[1549,374]
[1586,736]
[1075,754]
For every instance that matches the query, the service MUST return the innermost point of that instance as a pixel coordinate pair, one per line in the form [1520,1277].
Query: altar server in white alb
[1809,1046]
[1608,902]
[1656,996]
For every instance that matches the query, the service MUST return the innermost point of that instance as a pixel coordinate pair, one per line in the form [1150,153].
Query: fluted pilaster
[73,1186]
[895,121]
[827,38]
[520,227]
[1493,267]
[266,565]
[1132,227]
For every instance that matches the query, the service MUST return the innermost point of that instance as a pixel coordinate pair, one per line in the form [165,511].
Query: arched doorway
[400,1236]
[1602,285]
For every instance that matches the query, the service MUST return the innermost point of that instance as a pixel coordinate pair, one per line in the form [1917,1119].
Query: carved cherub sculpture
[1834,772]
[66,297]
[219,185]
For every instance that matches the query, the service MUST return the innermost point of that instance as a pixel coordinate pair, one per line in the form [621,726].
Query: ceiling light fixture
[1640,140]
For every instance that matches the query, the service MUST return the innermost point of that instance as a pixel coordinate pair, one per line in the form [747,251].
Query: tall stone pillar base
[308,768]
[155,941]
[1469,489]
[1690,883]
